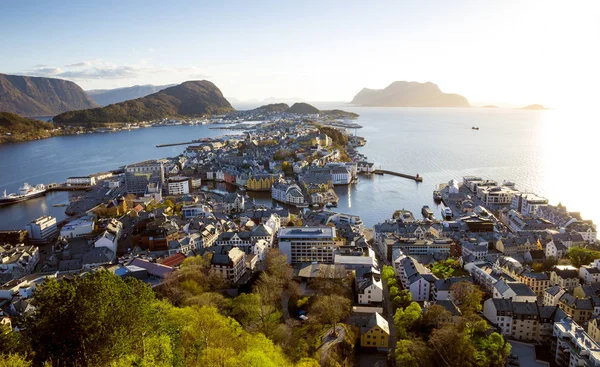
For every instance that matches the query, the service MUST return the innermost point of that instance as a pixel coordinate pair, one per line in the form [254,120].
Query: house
[442,287]
[593,329]
[565,276]
[484,274]
[556,249]
[77,228]
[538,282]
[17,261]
[590,273]
[580,310]
[479,249]
[261,182]
[552,295]
[229,263]
[42,229]
[369,290]
[515,291]
[234,202]
[376,333]
[108,240]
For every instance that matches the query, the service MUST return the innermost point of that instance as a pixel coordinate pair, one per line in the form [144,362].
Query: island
[14,128]
[409,94]
[535,107]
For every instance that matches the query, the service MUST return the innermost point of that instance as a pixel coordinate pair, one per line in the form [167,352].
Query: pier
[416,178]
[174,144]
[64,187]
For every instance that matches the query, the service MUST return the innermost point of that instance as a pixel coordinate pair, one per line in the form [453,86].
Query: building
[572,346]
[42,229]
[229,263]
[479,249]
[552,295]
[538,282]
[527,204]
[376,334]
[195,210]
[261,182]
[579,309]
[178,185]
[518,292]
[590,273]
[369,290]
[593,329]
[308,244]
[77,228]
[81,181]
[139,175]
[565,276]
[16,261]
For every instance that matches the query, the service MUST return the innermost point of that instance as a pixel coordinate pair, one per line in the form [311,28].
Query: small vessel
[427,213]
[475,128]
[446,213]
[60,205]
[437,196]
[26,192]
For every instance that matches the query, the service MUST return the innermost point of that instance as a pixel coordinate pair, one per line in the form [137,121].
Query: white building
[108,240]
[308,244]
[17,261]
[42,229]
[81,181]
[590,273]
[572,346]
[527,204]
[518,292]
[77,228]
[369,290]
[179,185]
[195,210]
[229,264]
[552,295]
[479,249]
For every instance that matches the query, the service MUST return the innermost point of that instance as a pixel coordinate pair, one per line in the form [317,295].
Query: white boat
[26,192]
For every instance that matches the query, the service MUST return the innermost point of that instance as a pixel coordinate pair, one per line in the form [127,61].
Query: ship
[26,192]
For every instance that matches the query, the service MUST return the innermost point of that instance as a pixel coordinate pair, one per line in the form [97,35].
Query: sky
[493,52]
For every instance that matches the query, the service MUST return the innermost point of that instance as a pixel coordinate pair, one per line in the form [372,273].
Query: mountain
[192,98]
[33,96]
[535,107]
[104,97]
[14,128]
[409,94]
[302,109]
[273,107]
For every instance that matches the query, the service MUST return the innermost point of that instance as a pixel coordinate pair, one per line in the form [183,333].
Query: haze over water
[549,152]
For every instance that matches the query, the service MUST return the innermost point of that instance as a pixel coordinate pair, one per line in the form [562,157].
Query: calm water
[549,152]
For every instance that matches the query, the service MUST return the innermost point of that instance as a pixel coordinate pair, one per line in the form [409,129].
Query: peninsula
[409,94]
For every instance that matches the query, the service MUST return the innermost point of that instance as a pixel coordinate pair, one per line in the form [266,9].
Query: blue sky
[502,52]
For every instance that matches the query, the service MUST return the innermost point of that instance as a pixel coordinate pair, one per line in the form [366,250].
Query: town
[497,264]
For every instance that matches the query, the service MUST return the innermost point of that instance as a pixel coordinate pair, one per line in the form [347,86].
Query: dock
[174,144]
[64,187]
[416,178]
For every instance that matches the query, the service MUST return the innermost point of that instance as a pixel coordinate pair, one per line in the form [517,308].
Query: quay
[416,178]
[174,144]
[64,187]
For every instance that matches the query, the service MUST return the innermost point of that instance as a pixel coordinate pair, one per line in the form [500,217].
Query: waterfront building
[308,244]
[527,204]
[42,229]
[178,185]
[81,181]
[261,182]
[139,175]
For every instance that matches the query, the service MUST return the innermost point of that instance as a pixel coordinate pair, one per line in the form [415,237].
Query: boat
[427,213]
[447,213]
[437,196]
[59,205]
[26,192]
[475,128]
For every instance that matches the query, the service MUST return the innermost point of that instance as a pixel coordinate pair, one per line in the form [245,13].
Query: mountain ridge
[38,96]
[188,99]
[104,97]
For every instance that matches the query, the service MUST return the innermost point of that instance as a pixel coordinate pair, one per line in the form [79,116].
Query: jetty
[174,144]
[415,178]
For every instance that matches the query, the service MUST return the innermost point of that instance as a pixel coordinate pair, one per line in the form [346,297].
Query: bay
[549,152]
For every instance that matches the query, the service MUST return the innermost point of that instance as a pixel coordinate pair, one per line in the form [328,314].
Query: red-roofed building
[174,260]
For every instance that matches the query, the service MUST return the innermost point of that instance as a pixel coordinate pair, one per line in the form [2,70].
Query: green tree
[582,256]
[435,316]
[402,300]
[404,357]
[13,360]
[493,351]
[90,320]
[407,319]
[413,353]
[394,292]
[387,273]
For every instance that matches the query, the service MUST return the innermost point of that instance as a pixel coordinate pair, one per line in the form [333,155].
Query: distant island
[409,94]
[104,97]
[302,108]
[490,106]
[535,107]
[33,96]
[14,128]
[188,99]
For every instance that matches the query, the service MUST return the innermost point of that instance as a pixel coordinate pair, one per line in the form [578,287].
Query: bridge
[416,178]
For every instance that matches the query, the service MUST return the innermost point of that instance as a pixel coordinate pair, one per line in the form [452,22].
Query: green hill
[189,99]
[302,108]
[14,128]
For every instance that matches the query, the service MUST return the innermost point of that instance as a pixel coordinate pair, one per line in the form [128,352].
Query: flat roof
[304,232]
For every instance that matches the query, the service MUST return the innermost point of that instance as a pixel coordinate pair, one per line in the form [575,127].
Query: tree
[392,283]
[582,256]
[331,309]
[467,296]
[402,300]
[13,360]
[387,273]
[435,316]
[407,319]
[413,353]
[493,351]
[452,348]
[276,264]
[394,292]
[90,320]
[404,357]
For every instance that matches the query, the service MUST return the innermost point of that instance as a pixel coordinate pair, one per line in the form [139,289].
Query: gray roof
[553,291]
[303,232]
[521,289]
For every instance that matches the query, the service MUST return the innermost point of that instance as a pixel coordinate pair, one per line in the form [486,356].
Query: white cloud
[101,70]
